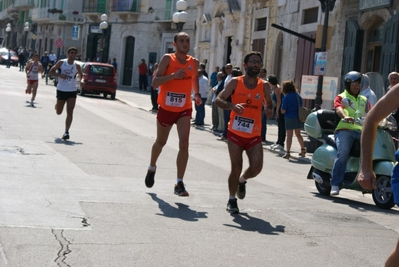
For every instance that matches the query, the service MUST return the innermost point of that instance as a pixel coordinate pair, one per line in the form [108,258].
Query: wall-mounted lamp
[150,10]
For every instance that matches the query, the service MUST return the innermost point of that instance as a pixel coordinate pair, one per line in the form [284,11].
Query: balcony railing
[21,4]
[90,6]
[125,6]
[40,14]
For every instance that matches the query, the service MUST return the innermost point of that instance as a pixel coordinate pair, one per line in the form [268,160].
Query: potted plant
[62,17]
[75,12]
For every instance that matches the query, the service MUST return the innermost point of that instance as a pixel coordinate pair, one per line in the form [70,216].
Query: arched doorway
[128,63]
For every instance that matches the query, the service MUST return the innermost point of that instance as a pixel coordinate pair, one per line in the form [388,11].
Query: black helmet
[350,77]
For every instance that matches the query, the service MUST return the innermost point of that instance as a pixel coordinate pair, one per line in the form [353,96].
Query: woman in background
[289,108]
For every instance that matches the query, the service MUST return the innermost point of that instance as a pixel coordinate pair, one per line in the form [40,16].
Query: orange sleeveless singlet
[175,95]
[249,123]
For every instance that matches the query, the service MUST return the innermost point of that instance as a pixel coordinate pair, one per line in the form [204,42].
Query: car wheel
[105,95]
[82,92]
[113,96]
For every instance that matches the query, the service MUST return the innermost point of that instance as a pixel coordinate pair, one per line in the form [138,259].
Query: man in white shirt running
[66,87]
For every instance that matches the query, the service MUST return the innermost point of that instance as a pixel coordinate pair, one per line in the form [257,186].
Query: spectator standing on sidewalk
[215,111]
[289,108]
[21,61]
[143,75]
[45,60]
[115,64]
[226,113]
[203,90]
[8,58]
[154,91]
[149,76]
[202,67]
[280,117]
[53,58]
[177,75]
[214,80]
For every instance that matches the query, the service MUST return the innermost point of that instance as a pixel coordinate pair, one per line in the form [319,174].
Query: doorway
[128,63]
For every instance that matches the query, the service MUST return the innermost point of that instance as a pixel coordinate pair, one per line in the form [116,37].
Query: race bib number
[243,124]
[175,99]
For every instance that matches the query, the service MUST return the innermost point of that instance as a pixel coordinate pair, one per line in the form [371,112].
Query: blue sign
[373,4]
[75,32]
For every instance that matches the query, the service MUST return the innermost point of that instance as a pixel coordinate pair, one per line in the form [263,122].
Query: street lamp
[103,27]
[326,7]
[180,17]
[8,30]
[26,30]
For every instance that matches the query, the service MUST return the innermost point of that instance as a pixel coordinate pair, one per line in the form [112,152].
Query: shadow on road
[68,143]
[248,223]
[182,211]
[357,205]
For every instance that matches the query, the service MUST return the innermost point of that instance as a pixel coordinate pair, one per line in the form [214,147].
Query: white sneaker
[279,147]
[334,190]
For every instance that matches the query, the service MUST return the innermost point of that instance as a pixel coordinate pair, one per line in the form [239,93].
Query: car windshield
[101,70]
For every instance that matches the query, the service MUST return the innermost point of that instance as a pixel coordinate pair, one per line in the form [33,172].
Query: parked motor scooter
[321,125]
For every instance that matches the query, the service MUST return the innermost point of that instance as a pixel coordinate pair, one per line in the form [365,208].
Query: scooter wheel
[324,190]
[382,195]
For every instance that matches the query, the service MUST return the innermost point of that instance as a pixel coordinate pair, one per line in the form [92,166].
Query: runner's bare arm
[79,69]
[55,68]
[195,84]
[159,78]
[225,93]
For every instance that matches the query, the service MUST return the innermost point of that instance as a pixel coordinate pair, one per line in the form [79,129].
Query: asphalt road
[84,202]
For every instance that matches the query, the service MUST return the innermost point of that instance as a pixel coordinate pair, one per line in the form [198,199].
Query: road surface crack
[64,251]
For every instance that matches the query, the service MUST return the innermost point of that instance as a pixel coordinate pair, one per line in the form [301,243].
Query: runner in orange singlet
[247,94]
[176,76]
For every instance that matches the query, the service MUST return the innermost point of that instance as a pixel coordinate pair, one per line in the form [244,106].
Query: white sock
[232,197]
[179,180]
[242,179]
[151,168]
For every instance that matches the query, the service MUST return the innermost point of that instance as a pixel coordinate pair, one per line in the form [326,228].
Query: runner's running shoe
[149,179]
[241,190]
[180,190]
[65,136]
[232,206]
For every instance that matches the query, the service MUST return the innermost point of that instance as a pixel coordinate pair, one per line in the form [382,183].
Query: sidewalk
[142,100]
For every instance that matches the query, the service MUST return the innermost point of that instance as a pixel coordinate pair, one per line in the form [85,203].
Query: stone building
[136,30]
[364,34]
[42,25]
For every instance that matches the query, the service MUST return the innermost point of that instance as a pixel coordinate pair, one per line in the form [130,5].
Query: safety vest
[360,104]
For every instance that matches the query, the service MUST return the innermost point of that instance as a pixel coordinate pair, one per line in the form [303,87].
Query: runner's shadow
[248,223]
[182,212]
[68,143]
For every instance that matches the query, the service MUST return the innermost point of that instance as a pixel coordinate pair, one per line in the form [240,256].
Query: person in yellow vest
[347,132]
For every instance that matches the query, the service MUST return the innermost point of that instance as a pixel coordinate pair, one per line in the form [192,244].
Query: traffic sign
[59,43]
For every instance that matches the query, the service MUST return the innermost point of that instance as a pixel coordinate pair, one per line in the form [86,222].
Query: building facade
[362,35]
[42,25]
